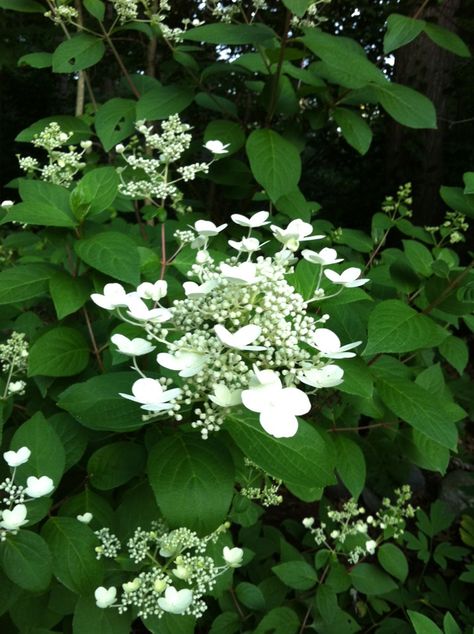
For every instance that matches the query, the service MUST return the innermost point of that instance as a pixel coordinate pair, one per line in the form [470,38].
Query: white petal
[334,277]
[279,424]
[294,400]
[326,340]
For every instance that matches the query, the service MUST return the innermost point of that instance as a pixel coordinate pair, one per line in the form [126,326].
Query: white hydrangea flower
[38,487]
[325,257]
[7,203]
[224,397]
[132,347]
[193,290]
[328,376]
[150,394]
[140,311]
[258,219]
[186,362]
[17,458]
[105,597]
[176,601]
[217,147]
[240,339]
[329,345]
[154,291]
[114,296]
[85,518]
[13,519]
[208,229]
[350,278]
[297,231]
[244,273]
[370,546]
[233,556]
[246,245]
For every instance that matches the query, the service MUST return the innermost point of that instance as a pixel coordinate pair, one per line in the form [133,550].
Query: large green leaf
[163,101]
[24,282]
[354,128]
[296,574]
[401,30]
[36,60]
[89,619]
[95,192]
[78,53]
[446,39]
[68,293]
[298,7]
[306,460]
[274,161]
[39,214]
[422,624]
[112,253]
[24,6]
[72,546]
[407,106]
[350,464]
[192,481]
[371,580]
[230,33]
[115,464]
[62,351]
[26,560]
[395,327]
[228,132]
[114,121]
[96,403]
[392,559]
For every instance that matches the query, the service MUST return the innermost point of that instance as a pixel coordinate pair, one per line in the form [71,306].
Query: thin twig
[164,262]
[276,80]
[305,620]
[361,427]
[93,341]
[124,70]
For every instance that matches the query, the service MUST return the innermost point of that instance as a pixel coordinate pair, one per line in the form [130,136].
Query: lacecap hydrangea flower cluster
[242,335]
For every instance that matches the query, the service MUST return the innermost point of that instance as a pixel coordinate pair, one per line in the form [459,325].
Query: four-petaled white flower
[245,273]
[329,345]
[12,520]
[350,278]
[370,546]
[155,291]
[217,147]
[150,393]
[188,362]
[17,458]
[278,406]
[85,518]
[224,397]
[233,556]
[176,601]
[132,347]
[246,245]
[258,219]
[193,290]
[241,339]
[325,257]
[38,487]
[105,597]
[7,203]
[113,296]
[140,311]
[328,376]
[208,229]
[297,231]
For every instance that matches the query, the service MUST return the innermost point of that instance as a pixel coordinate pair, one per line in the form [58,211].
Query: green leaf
[73,437]
[274,161]
[326,602]
[354,128]
[24,6]
[468,178]
[96,8]
[170,624]
[422,624]
[226,131]
[305,460]
[113,465]
[96,403]
[47,451]
[421,409]
[78,53]
[230,34]
[450,625]
[298,7]
[401,30]
[281,620]
[446,39]
[458,199]
[68,293]
[407,106]
[392,559]
[192,481]
[72,546]
[24,282]
[456,352]
[250,595]
[395,327]
[114,121]
[39,214]
[357,378]
[419,256]
[26,560]
[305,278]
[95,192]
[163,101]
[61,351]
[298,575]
[350,463]
[36,60]
[225,623]
[112,253]
[88,618]
[371,580]
[426,453]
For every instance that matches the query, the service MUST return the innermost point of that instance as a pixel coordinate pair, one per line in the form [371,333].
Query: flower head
[38,487]
[246,245]
[224,397]
[132,347]
[140,311]
[328,376]
[245,273]
[150,393]
[105,597]
[297,231]
[233,556]
[187,362]
[113,296]
[208,229]
[85,518]
[329,345]
[176,601]
[259,219]
[193,290]
[12,520]
[17,458]
[240,339]
[154,291]
[350,278]
[325,257]
[217,147]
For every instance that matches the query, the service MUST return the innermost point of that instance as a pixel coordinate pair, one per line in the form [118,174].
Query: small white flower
[217,147]
[105,597]
[325,257]
[308,522]
[193,290]
[114,295]
[245,273]
[15,387]
[86,518]
[348,278]
[186,362]
[182,572]
[370,546]
[155,291]
[258,219]
[12,520]
[131,586]
[297,231]
[329,345]
[38,487]
[159,585]
[224,397]
[140,311]
[17,458]
[246,245]
[132,347]
[240,339]
[176,601]
[7,203]
[86,145]
[150,393]
[120,148]
[335,534]
[329,376]
[208,229]
[233,556]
